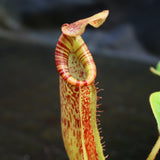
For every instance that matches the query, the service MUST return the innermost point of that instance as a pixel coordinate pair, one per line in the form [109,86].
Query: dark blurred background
[124,48]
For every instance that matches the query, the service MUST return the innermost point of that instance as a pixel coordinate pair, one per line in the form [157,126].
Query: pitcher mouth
[76,46]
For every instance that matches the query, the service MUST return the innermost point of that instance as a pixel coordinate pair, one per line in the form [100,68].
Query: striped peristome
[74,45]
[78,94]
